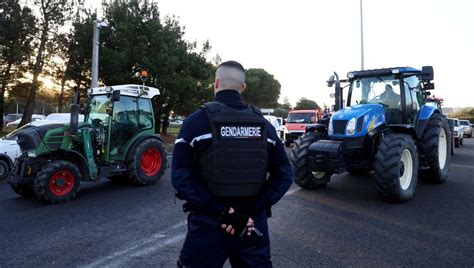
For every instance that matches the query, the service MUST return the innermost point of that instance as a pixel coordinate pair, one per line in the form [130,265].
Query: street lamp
[95,51]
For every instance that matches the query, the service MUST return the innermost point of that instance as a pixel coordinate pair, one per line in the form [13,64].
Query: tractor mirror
[331,81]
[115,96]
[427,73]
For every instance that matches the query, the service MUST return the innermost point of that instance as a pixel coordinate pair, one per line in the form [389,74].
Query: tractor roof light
[350,75]
[396,71]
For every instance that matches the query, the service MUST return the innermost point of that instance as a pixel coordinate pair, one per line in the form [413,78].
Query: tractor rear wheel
[396,168]
[437,148]
[148,162]
[305,177]
[23,190]
[57,182]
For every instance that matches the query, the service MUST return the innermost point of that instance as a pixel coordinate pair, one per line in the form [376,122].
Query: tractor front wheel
[148,162]
[305,177]
[396,168]
[57,182]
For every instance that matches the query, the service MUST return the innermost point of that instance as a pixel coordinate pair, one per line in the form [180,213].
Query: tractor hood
[356,121]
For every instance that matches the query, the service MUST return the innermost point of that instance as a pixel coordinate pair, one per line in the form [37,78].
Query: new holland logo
[241,132]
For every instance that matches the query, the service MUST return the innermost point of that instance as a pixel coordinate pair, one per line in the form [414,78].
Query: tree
[76,49]
[263,90]
[305,104]
[52,15]
[16,34]
[137,39]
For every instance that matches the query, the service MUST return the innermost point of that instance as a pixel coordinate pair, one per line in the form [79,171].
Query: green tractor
[118,139]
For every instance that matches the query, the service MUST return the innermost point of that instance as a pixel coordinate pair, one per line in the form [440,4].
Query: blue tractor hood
[365,116]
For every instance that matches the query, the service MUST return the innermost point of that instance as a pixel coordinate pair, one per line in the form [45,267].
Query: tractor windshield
[383,89]
[98,108]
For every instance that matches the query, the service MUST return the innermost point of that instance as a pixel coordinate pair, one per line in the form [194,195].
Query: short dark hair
[232,64]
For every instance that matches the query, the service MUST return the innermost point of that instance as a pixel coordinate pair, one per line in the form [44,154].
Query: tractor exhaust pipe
[74,121]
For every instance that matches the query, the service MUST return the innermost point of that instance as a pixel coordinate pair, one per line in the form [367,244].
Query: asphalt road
[345,224]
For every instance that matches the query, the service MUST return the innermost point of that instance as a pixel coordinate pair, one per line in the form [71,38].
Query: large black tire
[396,168]
[148,163]
[4,169]
[23,190]
[437,147]
[57,182]
[305,177]
[287,144]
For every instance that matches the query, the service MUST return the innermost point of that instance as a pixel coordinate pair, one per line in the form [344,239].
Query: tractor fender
[423,117]
[131,148]
[321,128]
[78,159]
[404,129]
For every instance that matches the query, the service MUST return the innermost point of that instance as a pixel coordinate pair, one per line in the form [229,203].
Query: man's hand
[232,229]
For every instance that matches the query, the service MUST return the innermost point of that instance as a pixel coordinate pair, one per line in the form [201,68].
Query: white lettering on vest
[240,132]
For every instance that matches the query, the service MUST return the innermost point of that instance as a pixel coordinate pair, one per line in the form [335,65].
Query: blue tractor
[384,127]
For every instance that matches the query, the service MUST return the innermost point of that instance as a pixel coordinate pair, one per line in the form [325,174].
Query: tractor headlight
[330,129]
[351,125]
[31,154]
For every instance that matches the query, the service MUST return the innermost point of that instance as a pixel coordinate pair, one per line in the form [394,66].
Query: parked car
[11,117]
[34,117]
[458,131]
[467,127]
[274,121]
[62,117]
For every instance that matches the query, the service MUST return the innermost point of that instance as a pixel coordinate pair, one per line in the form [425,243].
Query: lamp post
[95,51]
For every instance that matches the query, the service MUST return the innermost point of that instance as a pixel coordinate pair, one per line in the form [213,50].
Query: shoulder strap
[211,107]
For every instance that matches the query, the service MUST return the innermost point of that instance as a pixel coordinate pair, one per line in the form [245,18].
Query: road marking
[149,245]
[140,248]
[292,191]
[462,166]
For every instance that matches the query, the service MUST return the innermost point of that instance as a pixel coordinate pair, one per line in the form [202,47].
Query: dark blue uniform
[207,244]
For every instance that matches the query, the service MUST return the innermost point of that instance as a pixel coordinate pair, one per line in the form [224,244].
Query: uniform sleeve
[186,182]
[281,174]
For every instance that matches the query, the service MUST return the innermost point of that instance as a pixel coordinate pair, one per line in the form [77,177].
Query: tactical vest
[236,162]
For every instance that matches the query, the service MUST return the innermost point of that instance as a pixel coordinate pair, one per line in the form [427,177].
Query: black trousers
[208,245]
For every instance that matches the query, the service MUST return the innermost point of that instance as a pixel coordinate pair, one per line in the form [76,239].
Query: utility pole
[95,51]
[361,39]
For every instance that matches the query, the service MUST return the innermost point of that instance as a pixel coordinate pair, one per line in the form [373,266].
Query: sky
[301,42]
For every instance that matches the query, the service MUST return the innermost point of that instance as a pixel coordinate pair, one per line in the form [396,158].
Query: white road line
[124,255]
[462,166]
[148,245]
[292,191]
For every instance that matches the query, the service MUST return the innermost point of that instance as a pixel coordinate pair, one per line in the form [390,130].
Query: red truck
[296,123]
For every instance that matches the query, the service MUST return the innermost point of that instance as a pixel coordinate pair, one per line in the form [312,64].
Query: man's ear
[243,87]
[216,84]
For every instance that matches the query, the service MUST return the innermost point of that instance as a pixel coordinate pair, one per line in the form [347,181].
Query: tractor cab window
[145,114]
[383,90]
[413,96]
[98,108]
[124,124]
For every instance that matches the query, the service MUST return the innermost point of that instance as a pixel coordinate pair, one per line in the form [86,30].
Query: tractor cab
[120,113]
